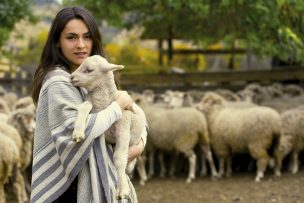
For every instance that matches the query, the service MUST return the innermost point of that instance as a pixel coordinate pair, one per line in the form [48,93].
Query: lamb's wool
[57,160]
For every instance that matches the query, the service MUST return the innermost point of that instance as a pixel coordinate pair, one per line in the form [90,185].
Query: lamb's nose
[72,77]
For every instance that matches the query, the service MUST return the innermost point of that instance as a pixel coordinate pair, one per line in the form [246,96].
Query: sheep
[240,130]
[95,74]
[23,102]
[23,119]
[292,139]
[15,187]
[9,158]
[178,129]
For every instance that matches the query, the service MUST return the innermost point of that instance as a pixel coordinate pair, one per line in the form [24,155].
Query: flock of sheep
[266,122]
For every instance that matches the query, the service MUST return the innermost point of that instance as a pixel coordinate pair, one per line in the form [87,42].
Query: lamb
[239,130]
[95,74]
[178,129]
[292,139]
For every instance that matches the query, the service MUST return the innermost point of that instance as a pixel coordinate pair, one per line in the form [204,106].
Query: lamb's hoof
[123,198]
[78,137]
[78,140]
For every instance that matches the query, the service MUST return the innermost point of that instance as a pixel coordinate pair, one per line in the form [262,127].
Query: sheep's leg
[192,162]
[141,169]
[162,164]
[278,157]
[151,162]
[79,128]
[295,161]
[221,167]
[207,153]
[228,167]
[262,158]
[173,163]
[203,165]
[121,155]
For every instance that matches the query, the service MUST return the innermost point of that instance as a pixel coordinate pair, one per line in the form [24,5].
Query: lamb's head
[93,70]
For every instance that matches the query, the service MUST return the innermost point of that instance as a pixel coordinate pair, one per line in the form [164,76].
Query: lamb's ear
[114,67]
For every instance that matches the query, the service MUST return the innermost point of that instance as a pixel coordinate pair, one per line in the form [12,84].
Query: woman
[65,171]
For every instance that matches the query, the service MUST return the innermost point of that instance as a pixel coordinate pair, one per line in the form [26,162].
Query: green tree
[273,27]
[12,11]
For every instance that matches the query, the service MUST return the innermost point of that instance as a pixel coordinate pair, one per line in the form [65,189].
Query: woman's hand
[135,150]
[124,100]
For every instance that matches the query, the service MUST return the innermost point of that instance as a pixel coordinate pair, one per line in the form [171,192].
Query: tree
[12,11]
[273,28]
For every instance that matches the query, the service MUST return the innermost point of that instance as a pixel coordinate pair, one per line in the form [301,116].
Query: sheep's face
[209,101]
[92,71]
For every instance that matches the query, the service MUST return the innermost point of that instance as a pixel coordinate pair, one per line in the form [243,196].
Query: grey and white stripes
[57,160]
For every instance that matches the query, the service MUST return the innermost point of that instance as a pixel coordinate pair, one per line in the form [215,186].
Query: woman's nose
[80,43]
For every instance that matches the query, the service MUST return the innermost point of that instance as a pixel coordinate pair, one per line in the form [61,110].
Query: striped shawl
[57,160]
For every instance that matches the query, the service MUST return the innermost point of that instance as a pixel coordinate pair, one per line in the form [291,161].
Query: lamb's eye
[88,70]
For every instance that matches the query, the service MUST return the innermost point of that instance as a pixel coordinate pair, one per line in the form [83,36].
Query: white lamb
[95,74]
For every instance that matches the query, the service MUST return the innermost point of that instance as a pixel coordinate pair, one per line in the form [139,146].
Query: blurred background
[176,51]
[159,37]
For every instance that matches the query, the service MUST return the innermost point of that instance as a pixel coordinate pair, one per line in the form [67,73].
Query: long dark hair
[51,54]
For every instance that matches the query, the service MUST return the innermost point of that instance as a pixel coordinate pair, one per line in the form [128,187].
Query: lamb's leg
[121,155]
[79,128]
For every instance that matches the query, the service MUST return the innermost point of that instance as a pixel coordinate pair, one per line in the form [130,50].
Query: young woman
[65,171]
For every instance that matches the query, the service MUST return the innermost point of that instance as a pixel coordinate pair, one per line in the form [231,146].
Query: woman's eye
[71,38]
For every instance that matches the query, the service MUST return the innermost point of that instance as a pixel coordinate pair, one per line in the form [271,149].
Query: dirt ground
[240,188]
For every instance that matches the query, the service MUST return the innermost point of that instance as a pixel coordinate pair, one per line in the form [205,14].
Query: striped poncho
[57,160]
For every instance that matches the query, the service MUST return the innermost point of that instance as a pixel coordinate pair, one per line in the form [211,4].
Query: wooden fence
[208,80]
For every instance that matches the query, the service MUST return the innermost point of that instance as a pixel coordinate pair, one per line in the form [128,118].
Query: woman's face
[75,42]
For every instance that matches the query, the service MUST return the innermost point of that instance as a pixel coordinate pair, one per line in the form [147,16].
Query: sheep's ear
[114,67]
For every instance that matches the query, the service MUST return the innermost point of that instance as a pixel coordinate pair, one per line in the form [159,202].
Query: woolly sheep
[15,188]
[96,75]
[23,102]
[9,158]
[240,130]
[292,139]
[178,129]
[23,119]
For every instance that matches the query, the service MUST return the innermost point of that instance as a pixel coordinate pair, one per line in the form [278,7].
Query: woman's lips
[80,54]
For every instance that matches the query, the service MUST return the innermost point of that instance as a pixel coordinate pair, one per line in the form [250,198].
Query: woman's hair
[51,54]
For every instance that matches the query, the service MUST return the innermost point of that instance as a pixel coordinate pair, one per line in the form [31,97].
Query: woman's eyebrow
[71,33]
